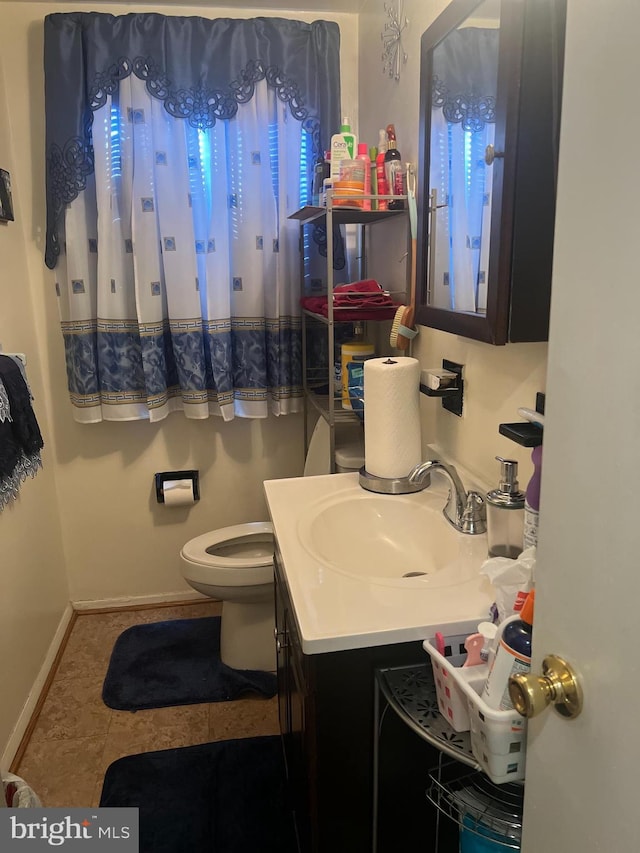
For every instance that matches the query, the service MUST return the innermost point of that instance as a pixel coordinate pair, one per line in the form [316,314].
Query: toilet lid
[240,546]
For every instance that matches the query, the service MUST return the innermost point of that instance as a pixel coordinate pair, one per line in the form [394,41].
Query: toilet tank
[349,440]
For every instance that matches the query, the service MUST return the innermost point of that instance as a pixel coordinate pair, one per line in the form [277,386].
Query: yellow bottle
[355,350]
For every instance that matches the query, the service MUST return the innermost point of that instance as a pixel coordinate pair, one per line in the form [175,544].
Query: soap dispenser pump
[505,513]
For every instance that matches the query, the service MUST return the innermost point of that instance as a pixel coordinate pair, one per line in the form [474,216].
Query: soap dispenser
[505,513]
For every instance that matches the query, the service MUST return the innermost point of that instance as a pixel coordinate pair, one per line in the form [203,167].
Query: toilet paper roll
[392,445]
[178,492]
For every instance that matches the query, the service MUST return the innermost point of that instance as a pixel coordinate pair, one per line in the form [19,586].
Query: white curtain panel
[179,283]
[463,223]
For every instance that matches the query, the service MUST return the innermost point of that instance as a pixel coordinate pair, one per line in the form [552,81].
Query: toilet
[235,564]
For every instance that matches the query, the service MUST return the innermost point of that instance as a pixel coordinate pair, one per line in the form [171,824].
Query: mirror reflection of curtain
[171,173]
[462,125]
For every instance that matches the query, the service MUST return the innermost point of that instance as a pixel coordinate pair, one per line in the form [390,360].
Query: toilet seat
[250,560]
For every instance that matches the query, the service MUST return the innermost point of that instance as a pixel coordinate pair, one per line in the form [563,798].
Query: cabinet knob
[558,685]
[490,154]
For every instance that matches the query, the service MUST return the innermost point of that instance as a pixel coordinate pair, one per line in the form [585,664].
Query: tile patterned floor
[76,736]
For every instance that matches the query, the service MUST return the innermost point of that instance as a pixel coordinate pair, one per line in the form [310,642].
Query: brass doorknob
[490,154]
[558,685]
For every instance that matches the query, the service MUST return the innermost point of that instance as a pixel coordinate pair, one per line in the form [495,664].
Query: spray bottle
[513,655]
[532,500]
[373,153]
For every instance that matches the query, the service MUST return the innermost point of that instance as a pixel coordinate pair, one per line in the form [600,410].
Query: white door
[582,788]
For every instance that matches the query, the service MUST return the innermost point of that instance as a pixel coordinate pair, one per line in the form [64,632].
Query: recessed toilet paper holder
[165,476]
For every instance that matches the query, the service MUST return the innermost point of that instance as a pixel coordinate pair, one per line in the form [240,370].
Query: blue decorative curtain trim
[472,111]
[243,358]
[200,69]
[465,77]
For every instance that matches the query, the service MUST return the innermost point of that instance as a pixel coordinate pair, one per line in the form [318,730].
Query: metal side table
[410,692]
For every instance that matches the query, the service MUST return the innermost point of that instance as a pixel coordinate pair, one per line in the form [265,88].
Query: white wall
[33,583]
[497,379]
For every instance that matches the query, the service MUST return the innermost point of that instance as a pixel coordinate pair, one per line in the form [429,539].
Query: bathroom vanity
[326,721]
[338,620]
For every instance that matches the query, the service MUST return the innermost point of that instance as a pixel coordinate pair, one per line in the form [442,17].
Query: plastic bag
[17,794]
[512,580]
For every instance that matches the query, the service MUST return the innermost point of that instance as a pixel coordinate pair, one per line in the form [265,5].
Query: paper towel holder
[164,476]
[387,485]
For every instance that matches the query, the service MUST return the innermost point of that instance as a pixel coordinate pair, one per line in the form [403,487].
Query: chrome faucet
[465,511]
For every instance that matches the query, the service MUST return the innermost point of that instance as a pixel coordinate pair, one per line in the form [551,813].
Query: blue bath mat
[225,797]
[176,663]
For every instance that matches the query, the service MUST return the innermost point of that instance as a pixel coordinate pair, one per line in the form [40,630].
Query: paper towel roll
[392,445]
[178,492]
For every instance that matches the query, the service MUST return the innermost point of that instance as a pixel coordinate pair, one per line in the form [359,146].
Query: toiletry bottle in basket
[513,655]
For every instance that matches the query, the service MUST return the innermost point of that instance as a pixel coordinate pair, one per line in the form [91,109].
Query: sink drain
[414,574]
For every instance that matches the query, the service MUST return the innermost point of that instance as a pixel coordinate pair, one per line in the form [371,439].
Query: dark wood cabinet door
[293,707]
[487,275]
[326,706]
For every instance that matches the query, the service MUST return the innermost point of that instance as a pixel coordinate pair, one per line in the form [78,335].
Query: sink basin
[390,539]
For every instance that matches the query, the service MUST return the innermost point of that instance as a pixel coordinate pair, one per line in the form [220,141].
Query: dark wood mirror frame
[530,65]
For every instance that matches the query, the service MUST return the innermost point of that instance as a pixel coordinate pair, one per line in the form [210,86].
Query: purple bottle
[532,500]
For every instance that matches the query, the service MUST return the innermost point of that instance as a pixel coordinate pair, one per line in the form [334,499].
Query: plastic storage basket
[498,738]
[448,675]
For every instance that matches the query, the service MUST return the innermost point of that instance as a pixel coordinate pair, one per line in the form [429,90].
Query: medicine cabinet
[490,98]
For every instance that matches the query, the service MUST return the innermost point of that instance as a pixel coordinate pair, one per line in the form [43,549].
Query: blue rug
[176,663]
[225,797]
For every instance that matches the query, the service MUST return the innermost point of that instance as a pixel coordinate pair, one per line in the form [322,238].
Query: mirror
[491,74]
[463,116]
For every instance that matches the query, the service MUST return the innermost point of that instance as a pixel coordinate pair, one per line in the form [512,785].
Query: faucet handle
[474,517]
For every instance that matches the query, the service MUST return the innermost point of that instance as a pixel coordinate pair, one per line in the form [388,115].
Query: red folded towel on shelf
[359,300]
[367,285]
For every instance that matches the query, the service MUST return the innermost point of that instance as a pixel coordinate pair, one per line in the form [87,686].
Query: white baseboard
[138,600]
[29,707]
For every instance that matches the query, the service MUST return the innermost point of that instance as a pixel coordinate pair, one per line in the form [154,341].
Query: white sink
[399,540]
[344,553]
